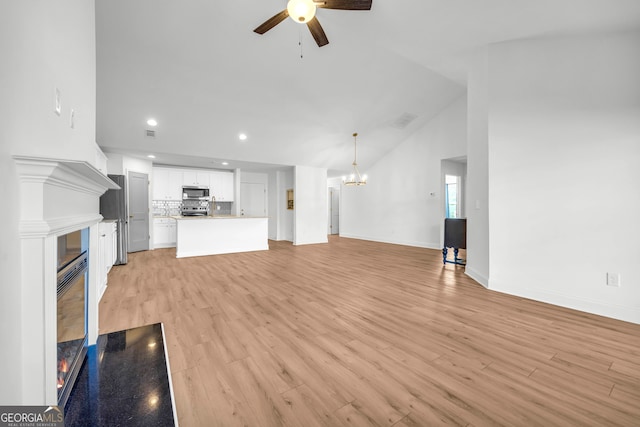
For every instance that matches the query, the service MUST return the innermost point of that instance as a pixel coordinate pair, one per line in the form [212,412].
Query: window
[452,189]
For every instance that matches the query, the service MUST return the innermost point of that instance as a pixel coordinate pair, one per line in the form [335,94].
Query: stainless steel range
[195,207]
[195,201]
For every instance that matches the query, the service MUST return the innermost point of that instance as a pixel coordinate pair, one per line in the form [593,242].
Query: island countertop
[206,217]
[221,234]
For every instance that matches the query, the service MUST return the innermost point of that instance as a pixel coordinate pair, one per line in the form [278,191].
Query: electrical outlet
[72,119]
[613,279]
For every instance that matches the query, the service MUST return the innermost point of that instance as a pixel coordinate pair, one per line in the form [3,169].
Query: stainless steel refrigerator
[113,205]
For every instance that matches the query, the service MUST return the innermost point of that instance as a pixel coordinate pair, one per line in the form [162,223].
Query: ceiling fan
[303,12]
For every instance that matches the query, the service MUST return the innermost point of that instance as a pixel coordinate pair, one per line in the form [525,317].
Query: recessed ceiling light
[151,156]
[242,136]
[225,163]
[152,122]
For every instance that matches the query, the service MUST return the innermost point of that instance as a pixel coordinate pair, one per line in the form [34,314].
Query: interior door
[138,212]
[253,199]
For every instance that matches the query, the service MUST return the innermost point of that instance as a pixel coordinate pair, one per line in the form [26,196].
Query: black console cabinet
[455,236]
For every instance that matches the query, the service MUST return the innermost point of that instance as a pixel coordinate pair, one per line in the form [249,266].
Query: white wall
[478,250]
[254,177]
[117,164]
[310,205]
[44,45]
[396,206]
[564,155]
[280,218]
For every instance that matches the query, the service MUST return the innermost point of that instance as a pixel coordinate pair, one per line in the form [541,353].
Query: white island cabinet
[206,235]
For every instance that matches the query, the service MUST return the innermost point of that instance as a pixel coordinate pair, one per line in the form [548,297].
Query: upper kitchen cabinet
[196,179]
[167,184]
[222,186]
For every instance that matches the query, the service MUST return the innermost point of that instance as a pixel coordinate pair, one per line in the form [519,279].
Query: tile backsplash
[224,208]
[166,207]
[172,207]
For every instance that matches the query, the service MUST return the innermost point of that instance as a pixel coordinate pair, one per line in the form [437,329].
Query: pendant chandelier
[355,178]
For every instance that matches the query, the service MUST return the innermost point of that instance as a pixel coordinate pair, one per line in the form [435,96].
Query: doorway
[138,212]
[253,199]
[334,210]
[454,176]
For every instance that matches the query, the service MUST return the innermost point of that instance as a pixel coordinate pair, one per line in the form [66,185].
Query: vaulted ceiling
[199,69]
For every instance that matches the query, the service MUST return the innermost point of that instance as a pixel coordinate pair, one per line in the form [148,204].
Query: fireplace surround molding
[57,196]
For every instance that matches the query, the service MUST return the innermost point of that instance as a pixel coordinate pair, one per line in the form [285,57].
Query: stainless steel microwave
[195,193]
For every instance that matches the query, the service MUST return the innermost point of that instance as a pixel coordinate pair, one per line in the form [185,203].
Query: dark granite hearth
[124,381]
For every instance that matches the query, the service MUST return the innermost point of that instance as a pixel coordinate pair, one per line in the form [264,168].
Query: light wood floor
[363,334]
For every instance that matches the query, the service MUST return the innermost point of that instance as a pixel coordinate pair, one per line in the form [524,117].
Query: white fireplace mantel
[57,197]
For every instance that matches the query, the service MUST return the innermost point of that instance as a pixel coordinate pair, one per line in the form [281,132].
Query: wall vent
[151,133]
[404,120]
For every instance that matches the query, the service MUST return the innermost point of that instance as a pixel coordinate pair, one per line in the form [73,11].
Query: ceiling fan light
[301,11]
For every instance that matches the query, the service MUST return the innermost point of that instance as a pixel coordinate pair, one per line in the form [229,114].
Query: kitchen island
[224,234]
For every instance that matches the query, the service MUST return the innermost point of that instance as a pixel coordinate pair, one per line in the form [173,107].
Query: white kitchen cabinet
[167,184]
[195,178]
[227,190]
[222,186]
[107,253]
[175,185]
[160,182]
[164,233]
[113,257]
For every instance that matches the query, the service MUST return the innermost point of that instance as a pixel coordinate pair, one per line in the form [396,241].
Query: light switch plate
[613,279]
[57,106]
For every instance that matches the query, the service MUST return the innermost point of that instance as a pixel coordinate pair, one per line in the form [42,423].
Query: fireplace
[58,227]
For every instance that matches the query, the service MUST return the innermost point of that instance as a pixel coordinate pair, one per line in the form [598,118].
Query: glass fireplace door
[72,283]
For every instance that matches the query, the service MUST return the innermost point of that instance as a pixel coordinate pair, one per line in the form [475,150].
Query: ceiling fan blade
[272,22]
[317,32]
[344,4]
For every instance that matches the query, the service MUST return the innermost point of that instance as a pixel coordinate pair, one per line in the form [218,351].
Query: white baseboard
[164,245]
[600,308]
[484,281]
[414,243]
